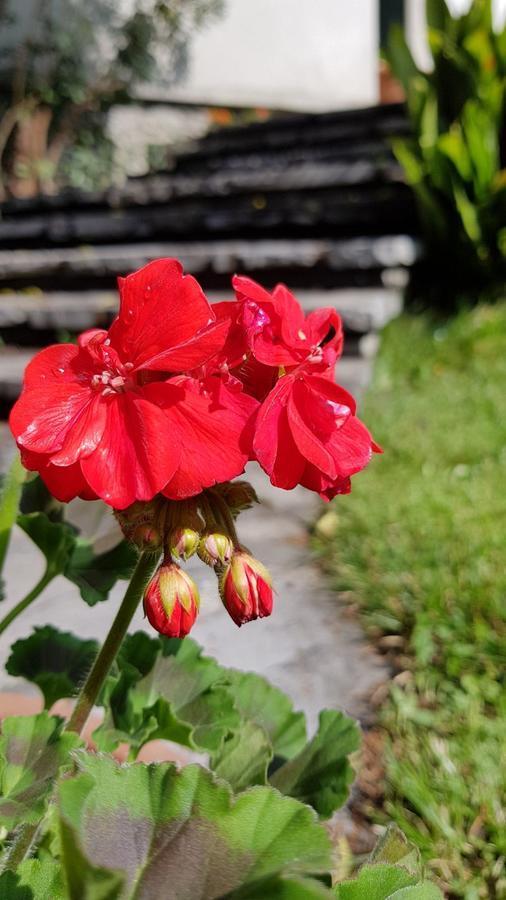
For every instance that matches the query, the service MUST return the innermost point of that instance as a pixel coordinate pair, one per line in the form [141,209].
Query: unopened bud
[183,542]
[147,537]
[171,601]
[246,588]
[238,495]
[215,549]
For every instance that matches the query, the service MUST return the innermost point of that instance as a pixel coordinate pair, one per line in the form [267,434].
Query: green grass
[421,546]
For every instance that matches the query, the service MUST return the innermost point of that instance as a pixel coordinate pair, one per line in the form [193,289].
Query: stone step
[299,262]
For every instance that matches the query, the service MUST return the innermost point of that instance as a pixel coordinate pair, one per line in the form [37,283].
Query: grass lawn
[421,546]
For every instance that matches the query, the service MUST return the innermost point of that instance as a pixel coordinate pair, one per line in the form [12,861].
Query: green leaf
[160,826]
[260,702]
[56,540]
[55,661]
[400,58]
[244,757]
[321,773]
[33,749]
[438,14]
[424,891]
[375,882]
[394,848]
[37,498]
[282,889]
[179,699]
[83,880]
[394,871]
[33,879]
[95,574]
[74,557]
[10,495]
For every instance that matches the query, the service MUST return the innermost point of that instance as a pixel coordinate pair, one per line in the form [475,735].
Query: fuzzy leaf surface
[158,826]
[321,773]
[33,749]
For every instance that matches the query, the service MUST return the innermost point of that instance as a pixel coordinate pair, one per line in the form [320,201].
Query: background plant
[455,160]
[425,564]
[64,64]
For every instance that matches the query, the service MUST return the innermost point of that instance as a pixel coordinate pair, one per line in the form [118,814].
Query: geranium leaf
[321,773]
[375,882]
[56,540]
[382,882]
[179,699]
[82,878]
[33,749]
[33,879]
[244,757]
[267,706]
[55,661]
[160,826]
[282,889]
[36,497]
[394,848]
[95,574]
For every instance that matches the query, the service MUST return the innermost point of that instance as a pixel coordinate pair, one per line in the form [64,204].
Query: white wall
[291,54]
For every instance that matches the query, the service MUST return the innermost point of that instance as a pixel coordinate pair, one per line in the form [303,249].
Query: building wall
[290,54]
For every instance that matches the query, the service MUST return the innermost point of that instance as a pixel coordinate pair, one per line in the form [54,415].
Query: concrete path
[310,647]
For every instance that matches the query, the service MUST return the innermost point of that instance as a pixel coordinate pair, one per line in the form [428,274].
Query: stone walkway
[310,647]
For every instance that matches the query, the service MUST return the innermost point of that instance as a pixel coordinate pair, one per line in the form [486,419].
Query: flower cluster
[205,526]
[175,398]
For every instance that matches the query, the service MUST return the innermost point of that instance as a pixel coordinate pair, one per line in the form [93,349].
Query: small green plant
[455,160]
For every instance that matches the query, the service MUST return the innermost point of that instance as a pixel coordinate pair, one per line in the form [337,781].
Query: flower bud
[246,589]
[183,542]
[147,537]
[215,549]
[238,495]
[171,601]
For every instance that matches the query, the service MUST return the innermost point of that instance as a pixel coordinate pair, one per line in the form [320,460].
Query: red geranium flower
[307,433]
[105,419]
[269,332]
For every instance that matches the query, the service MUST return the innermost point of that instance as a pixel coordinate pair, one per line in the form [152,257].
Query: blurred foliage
[456,158]
[425,565]
[63,64]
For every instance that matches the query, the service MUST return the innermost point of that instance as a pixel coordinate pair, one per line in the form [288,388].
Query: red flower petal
[64,483]
[137,455]
[214,425]
[274,446]
[51,366]
[40,420]
[160,309]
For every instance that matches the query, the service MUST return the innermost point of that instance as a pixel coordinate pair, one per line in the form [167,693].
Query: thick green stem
[10,496]
[26,601]
[19,848]
[100,669]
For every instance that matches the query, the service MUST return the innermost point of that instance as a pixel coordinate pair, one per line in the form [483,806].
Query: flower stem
[26,601]
[106,656]
[221,511]
[19,848]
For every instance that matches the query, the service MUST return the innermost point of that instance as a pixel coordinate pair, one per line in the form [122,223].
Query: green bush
[455,159]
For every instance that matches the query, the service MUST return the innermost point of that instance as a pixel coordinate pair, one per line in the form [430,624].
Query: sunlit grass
[421,544]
